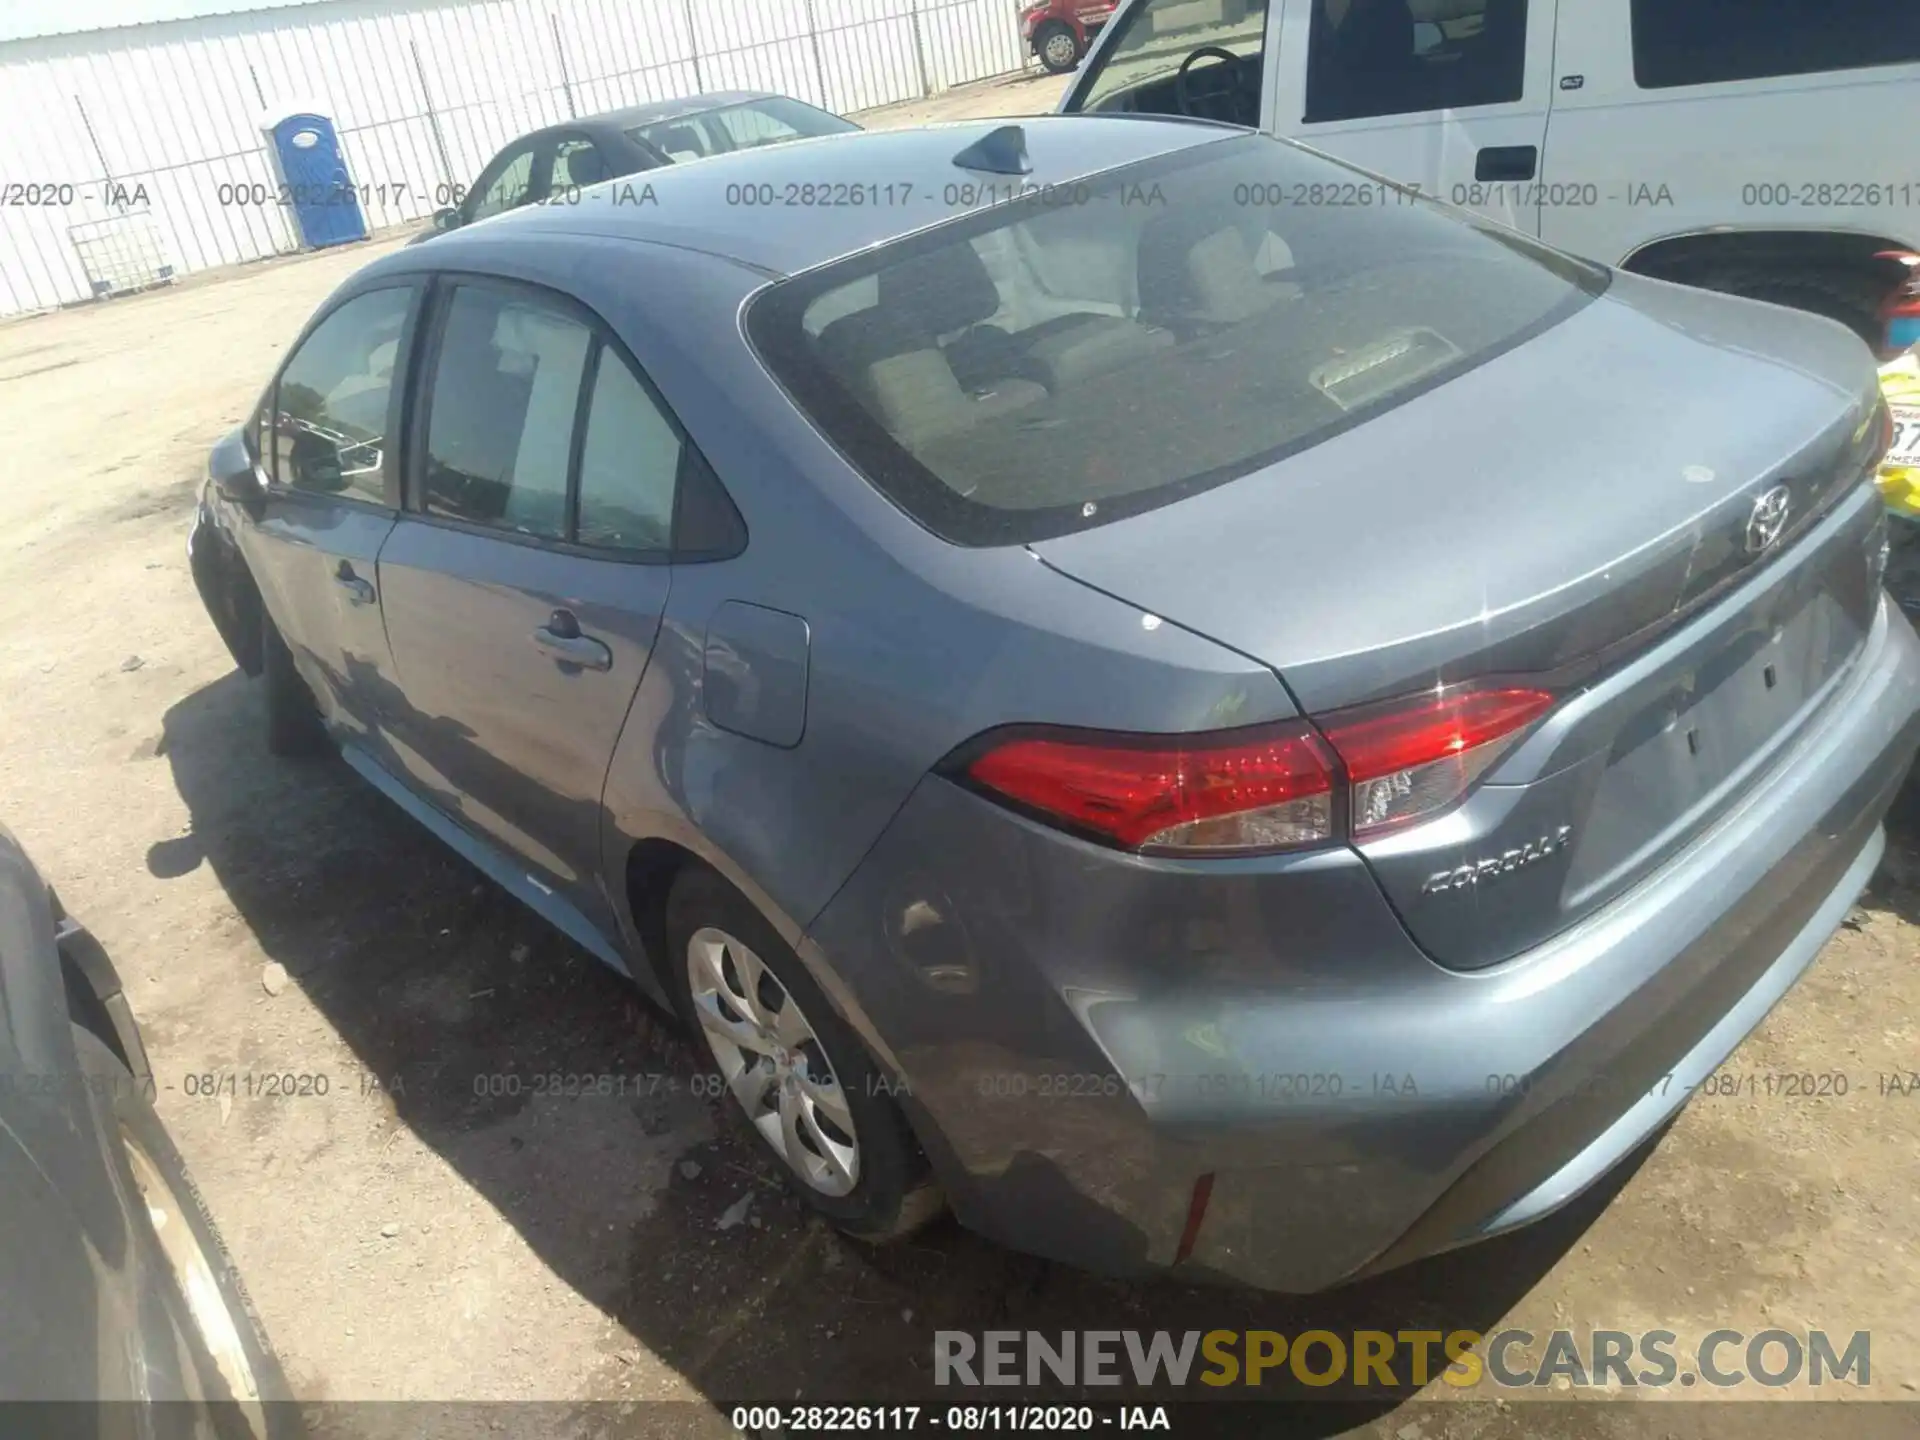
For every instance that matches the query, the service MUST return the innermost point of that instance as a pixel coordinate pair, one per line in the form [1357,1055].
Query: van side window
[1699,42]
[1372,57]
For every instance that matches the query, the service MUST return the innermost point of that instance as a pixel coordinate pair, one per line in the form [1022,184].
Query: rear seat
[1062,351]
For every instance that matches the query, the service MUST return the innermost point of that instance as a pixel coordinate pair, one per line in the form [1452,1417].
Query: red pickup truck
[1059,31]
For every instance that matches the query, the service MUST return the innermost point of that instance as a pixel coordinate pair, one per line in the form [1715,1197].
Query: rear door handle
[361,592]
[561,638]
[1507,162]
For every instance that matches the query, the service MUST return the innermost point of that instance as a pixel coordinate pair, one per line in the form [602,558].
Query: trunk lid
[1656,505]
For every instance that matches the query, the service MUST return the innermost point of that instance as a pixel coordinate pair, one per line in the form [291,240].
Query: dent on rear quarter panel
[899,673]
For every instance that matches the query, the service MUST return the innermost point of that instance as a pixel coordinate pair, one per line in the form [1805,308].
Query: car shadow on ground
[441,985]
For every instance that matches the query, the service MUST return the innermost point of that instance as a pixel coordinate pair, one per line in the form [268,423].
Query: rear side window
[328,415]
[1700,42]
[1371,57]
[749,126]
[506,388]
[688,138]
[1050,365]
[629,465]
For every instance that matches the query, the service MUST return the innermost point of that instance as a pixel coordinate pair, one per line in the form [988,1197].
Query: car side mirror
[446,218]
[234,472]
[1427,37]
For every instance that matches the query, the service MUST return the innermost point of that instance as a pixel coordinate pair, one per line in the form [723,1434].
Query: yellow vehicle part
[1900,483]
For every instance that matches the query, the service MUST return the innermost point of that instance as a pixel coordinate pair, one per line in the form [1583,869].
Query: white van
[1766,147]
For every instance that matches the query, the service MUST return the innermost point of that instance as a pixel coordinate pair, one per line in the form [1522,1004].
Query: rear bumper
[1082,1036]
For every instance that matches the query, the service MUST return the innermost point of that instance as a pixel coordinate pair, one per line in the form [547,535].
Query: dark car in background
[561,160]
[1098,693]
[118,1289]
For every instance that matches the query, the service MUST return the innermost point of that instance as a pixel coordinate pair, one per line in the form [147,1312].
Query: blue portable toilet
[314,183]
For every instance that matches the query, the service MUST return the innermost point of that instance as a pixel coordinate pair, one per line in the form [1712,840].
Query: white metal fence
[144,145]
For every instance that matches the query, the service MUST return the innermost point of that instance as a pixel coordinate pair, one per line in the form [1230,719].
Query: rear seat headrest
[947,289]
[1198,265]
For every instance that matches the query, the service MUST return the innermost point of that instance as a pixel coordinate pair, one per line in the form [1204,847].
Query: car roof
[787,208]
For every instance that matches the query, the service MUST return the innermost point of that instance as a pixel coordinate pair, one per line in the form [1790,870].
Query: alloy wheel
[194,1272]
[773,1061]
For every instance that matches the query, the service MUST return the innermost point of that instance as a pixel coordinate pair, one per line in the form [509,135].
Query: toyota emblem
[1769,520]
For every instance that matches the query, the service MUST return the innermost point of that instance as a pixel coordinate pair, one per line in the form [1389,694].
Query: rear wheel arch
[1827,272]
[652,866]
[656,864]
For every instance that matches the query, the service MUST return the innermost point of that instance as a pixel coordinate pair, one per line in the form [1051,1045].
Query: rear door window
[1044,368]
[1701,42]
[507,378]
[507,185]
[538,425]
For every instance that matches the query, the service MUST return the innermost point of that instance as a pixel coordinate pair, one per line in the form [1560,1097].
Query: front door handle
[361,592]
[1507,162]
[561,638]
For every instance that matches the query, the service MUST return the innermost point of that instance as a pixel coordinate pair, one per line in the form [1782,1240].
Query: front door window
[1201,58]
[331,404]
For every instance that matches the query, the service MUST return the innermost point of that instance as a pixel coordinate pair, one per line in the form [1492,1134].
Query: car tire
[892,1192]
[1058,47]
[293,721]
[1835,296]
[240,1373]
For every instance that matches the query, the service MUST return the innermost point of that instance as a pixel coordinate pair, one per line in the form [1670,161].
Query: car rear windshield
[1076,354]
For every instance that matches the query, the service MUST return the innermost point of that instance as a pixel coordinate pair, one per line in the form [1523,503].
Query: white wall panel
[423,93]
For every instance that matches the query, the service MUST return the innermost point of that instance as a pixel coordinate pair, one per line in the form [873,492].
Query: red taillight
[1412,757]
[1267,789]
[1245,790]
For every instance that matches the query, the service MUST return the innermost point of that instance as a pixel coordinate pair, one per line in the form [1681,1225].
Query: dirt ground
[407,1234]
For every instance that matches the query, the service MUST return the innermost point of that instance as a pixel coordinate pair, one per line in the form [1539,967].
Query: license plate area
[1905,450]
[1694,746]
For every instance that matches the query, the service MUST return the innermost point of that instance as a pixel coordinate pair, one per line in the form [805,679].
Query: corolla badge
[1769,520]
[1482,872]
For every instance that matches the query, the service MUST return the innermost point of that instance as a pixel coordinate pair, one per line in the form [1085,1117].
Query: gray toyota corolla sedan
[1117,672]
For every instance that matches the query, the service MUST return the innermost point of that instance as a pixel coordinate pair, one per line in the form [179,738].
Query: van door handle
[1507,162]
[561,638]
[359,590]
